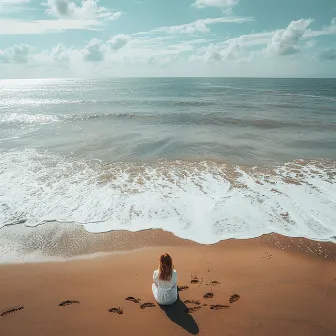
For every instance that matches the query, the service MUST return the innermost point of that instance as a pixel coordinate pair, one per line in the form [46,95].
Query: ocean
[207,159]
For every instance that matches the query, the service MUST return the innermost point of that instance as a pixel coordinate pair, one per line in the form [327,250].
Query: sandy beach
[202,129]
[271,285]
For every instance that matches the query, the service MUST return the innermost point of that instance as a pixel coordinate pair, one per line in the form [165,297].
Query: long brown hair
[165,267]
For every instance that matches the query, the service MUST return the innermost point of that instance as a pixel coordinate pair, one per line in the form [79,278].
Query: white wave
[25,118]
[14,102]
[9,138]
[205,201]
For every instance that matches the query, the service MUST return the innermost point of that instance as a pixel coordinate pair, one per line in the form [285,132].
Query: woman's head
[165,267]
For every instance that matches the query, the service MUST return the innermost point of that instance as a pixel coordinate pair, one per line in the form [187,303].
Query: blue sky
[106,38]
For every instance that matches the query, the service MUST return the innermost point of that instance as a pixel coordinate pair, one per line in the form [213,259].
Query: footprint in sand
[194,280]
[195,302]
[132,299]
[11,311]
[218,306]
[215,283]
[116,311]
[204,305]
[208,295]
[68,303]
[234,297]
[147,305]
[182,288]
[192,309]
[267,256]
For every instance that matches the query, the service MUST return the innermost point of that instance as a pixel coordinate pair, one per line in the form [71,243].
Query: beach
[277,285]
[142,141]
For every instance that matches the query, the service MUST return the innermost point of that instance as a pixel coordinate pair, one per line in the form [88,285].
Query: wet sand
[270,285]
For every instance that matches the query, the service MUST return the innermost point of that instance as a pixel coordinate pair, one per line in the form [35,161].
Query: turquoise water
[253,121]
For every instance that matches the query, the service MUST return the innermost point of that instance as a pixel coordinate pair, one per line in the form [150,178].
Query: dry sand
[285,287]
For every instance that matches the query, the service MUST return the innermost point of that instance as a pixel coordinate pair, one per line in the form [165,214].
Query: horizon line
[144,77]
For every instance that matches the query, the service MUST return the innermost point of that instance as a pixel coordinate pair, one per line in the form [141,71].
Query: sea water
[205,158]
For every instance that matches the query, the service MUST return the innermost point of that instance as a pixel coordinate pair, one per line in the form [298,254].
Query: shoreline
[61,242]
[205,203]
[285,286]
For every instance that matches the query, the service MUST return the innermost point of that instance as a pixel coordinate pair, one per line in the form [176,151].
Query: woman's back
[164,285]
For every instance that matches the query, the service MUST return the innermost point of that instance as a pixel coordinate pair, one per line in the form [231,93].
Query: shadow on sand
[177,314]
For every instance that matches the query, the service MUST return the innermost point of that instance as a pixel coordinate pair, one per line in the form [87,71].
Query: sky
[148,38]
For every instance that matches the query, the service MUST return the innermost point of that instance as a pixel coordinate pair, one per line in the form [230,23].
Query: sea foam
[202,201]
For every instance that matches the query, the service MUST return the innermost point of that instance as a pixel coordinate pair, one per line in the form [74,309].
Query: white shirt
[166,291]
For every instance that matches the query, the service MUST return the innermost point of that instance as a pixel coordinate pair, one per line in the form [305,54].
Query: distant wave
[218,119]
[38,102]
[193,103]
[308,95]
[284,105]
[27,119]
[9,138]
[268,91]
[7,103]
[271,123]
[15,118]
[175,118]
[105,115]
[212,120]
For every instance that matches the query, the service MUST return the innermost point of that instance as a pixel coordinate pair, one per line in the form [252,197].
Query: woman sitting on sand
[165,277]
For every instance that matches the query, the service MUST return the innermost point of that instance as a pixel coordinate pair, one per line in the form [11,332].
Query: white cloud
[189,28]
[333,25]
[281,42]
[94,51]
[16,54]
[120,49]
[86,16]
[200,26]
[328,54]
[145,50]
[118,41]
[328,30]
[86,10]
[97,50]
[238,48]
[251,40]
[20,27]
[162,60]
[123,49]
[231,50]
[12,6]
[165,48]
[60,54]
[12,2]
[160,56]
[222,4]
[62,58]
[286,41]
[310,44]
